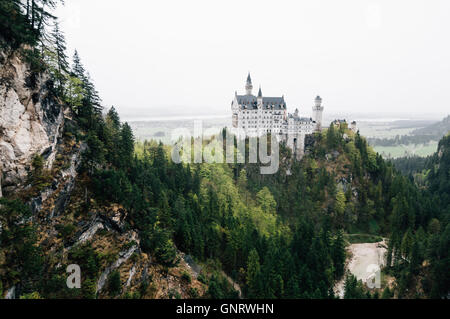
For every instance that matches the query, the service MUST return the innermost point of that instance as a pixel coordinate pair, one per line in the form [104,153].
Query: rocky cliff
[31,119]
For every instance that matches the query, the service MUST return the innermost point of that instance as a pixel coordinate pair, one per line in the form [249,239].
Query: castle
[254,116]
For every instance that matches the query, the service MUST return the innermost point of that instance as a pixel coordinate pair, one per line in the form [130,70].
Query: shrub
[193,293]
[66,231]
[114,284]
[186,277]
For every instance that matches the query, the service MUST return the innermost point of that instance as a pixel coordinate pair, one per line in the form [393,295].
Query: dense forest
[277,236]
[412,164]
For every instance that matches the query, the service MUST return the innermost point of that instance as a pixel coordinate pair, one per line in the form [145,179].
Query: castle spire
[249,85]
[260,92]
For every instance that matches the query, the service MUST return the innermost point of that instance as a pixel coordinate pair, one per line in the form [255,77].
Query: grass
[403,150]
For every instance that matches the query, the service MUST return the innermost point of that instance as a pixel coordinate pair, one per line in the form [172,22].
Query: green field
[390,130]
[407,150]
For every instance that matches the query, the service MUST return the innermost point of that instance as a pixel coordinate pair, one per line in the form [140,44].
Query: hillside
[436,130]
[77,189]
[423,271]
[46,165]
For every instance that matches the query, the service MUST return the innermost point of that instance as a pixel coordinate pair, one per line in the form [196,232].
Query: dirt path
[361,257]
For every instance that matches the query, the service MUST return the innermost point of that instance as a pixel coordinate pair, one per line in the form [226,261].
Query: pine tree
[77,67]
[354,288]
[338,254]
[113,118]
[25,22]
[340,203]
[114,284]
[95,155]
[414,263]
[92,96]
[386,294]
[331,137]
[126,145]
[61,57]
[253,274]
[266,201]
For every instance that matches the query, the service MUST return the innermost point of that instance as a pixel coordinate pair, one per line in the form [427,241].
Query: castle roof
[277,103]
[246,99]
[297,118]
[273,100]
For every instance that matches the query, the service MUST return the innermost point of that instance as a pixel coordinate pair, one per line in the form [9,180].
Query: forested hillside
[420,241]
[127,214]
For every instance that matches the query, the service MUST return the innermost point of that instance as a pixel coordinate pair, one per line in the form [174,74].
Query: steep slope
[42,148]
[439,176]
[437,130]
[419,243]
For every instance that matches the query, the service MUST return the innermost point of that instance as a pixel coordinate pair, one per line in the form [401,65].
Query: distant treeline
[411,164]
[403,140]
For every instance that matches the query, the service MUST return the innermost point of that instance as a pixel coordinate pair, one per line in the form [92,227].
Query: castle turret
[260,97]
[249,85]
[318,112]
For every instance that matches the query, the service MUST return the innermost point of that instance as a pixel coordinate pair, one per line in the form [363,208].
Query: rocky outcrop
[31,119]
[93,228]
[123,257]
[11,293]
[112,220]
[58,194]
[115,217]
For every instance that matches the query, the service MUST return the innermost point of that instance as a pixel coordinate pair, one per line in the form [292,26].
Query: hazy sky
[189,57]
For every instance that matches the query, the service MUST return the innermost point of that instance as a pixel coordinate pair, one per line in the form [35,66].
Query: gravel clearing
[362,256]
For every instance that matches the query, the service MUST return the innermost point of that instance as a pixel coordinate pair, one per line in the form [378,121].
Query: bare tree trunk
[33,9]
[42,17]
[28,10]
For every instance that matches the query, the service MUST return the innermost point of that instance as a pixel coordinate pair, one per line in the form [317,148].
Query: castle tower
[249,85]
[260,97]
[317,113]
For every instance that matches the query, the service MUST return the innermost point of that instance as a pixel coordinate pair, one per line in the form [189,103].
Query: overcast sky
[189,57]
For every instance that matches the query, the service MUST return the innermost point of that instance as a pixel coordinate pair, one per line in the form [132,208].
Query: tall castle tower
[249,85]
[318,113]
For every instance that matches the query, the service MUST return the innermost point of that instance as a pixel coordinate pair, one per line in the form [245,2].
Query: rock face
[123,257]
[31,119]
